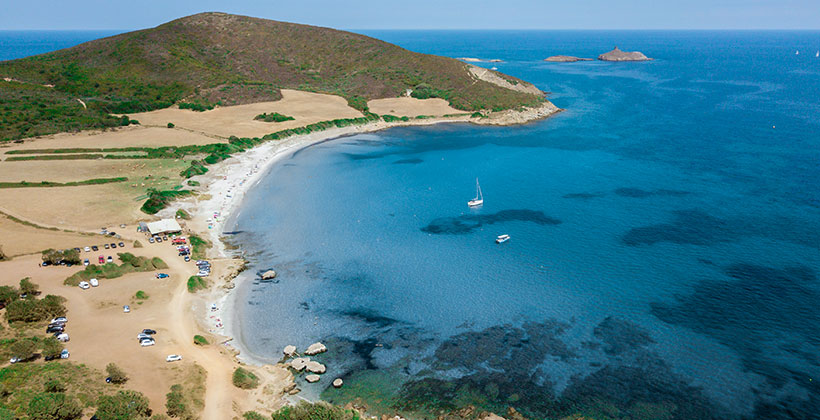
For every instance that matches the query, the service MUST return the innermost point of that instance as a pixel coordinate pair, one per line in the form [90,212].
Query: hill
[213,59]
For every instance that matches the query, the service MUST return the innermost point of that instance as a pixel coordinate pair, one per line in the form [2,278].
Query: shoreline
[219,203]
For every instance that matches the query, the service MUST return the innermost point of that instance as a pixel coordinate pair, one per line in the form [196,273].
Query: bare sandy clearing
[80,170]
[412,107]
[305,107]
[132,136]
[17,239]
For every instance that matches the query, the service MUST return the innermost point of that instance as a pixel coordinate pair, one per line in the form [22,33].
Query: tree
[53,406]
[8,294]
[175,402]
[54,385]
[54,256]
[23,349]
[245,379]
[123,405]
[28,288]
[51,306]
[116,374]
[52,348]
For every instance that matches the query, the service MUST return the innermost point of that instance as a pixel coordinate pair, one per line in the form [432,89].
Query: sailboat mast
[478,190]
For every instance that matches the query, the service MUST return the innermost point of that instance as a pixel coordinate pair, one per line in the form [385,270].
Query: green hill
[219,59]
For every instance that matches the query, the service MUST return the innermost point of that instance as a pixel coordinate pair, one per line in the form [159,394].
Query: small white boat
[479,198]
[502,238]
[818,54]
[797,52]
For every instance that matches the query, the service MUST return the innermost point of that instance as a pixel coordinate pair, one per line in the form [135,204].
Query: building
[164,226]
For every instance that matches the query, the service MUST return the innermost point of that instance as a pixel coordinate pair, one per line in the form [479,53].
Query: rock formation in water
[618,55]
[315,348]
[565,59]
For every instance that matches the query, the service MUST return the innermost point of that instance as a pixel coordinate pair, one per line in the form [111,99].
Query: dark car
[113,245]
[95,248]
[112,233]
[51,357]
[54,329]
[122,244]
[148,331]
[159,239]
[77,249]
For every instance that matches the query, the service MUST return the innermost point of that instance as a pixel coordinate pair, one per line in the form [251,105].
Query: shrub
[123,405]
[200,340]
[52,348]
[170,125]
[245,379]
[54,256]
[23,349]
[253,415]
[53,385]
[196,283]
[2,254]
[8,294]
[196,106]
[28,288]
[33,310]
[130,264]
[193,183]
[53,406]
[198,247]
[157,200]
[182,214]
[116,374]
[310,411]
[175,402]
[273,117]
[137,244]
[141,295]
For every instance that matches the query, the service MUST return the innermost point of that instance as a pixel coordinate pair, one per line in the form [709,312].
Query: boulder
[315,367]
[337,383]
[267,275]
[312,378]
[315,348]
[289,351]
[298,364]
[294,391]
[618,55]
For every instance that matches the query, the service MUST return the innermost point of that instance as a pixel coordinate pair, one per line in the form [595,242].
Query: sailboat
[479,198]
[818,54]
[797,52]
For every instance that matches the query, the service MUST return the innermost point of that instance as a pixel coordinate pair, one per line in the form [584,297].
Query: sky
[425,14]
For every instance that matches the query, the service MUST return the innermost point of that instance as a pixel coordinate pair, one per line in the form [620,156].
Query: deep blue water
[665,236]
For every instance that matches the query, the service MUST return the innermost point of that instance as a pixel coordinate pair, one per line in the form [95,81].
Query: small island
[618,55]
[565,59]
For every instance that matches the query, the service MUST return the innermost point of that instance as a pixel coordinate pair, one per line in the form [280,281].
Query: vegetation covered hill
[219,59]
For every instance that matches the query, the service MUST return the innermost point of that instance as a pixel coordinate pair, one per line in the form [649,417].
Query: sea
[664,260]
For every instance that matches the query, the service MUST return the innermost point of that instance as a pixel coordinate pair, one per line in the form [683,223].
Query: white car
[173,358]
[84,285]
[94,282]
[59,319]
[63,338]
[87,249]
[64,354]
[14,360]
[126,308]
[146,343]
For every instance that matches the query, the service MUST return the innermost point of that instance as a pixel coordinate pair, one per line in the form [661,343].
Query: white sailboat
[479,198]
[797,52]
[818,54]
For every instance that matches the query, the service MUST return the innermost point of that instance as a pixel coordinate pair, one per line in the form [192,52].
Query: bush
[175,402]
[130,264]
[33,310]
[245,379]
[55,257]
[28,288]
[8,294]
[116,374]
[273,117]
[23,349]
[200,340]
[182,214]
[141,295]
[198,247]
[253,415]
[123,405]
[196,283]
[196,106]
[53,406]
[53,385]
[312,411]
[2,254]
[170,125]
[52,348]
[137,244]
[158,200]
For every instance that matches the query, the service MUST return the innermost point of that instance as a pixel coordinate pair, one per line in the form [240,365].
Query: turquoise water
[664,249]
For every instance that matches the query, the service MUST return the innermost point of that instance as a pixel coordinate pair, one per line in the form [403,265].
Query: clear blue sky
[427,14]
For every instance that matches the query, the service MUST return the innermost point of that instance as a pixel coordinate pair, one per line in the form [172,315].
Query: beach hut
[164,226]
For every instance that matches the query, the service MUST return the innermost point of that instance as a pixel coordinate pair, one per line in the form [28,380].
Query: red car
[102,259]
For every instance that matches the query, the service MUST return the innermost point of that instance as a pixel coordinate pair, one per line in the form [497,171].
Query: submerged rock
[565,59]
[618,55]
[289,351]
[312,378]
[315,367]
[338,382]
[268,275]
[315,348]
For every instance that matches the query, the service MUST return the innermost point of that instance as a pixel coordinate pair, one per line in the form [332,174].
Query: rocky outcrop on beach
[565,59]
[299,364]
[289,351]
[521,116]
[315,349]
[268,275]
[312,378]
[618,55]
[315,367]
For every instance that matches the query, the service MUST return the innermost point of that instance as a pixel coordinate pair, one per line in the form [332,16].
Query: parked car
[59,319]
[112,233]
[142,336]
[106,246]
[110,259]
[162,276]
[64,354]
[14,360]
[86,262]
[151,240]
[173,358]
[101,259]
[187,258]
[95,248]
[159,239]
[63,337]
[148,331]
[126,308]
[113,245]
[84,285]
[146,343]
[121,244]
[87,249]
[94,282]
[54,329]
